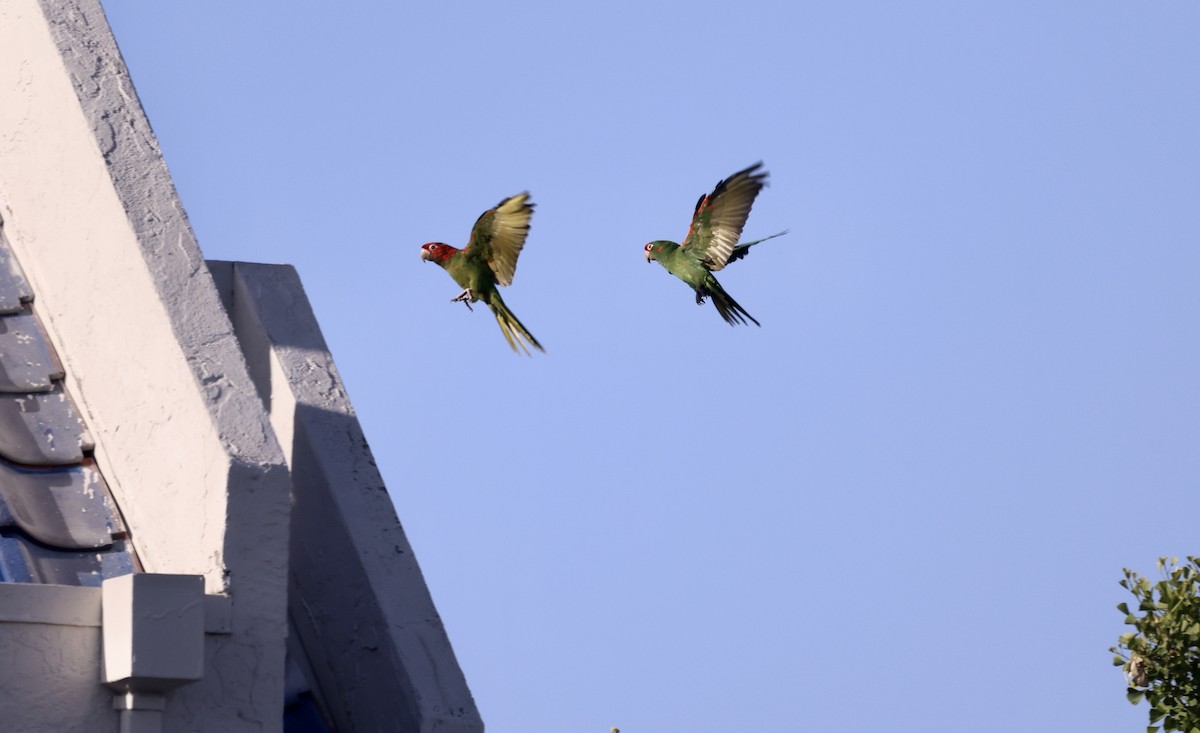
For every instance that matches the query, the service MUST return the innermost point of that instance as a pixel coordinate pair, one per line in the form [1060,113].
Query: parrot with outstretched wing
[489,260]
[712,241]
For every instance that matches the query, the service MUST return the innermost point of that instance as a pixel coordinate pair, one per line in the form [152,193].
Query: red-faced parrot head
[437,251]
[655,249]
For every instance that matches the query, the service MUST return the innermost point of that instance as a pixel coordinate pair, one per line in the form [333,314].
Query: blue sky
[905,501]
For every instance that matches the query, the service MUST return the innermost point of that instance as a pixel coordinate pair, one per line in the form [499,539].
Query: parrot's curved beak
[649,257]
[424,254]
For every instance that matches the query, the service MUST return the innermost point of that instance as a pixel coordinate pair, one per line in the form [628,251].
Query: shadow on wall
[380,657]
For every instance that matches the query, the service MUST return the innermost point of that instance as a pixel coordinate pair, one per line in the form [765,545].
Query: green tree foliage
[1161,656]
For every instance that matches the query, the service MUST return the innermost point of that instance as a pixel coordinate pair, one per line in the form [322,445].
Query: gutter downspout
[153,632]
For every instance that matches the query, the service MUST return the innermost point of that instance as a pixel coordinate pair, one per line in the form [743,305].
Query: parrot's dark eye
[647,248]
[432,247]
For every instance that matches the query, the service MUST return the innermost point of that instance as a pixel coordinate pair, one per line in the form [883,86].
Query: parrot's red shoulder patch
[705,201]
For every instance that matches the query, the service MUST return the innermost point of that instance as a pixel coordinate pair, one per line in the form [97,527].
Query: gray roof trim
[72,605]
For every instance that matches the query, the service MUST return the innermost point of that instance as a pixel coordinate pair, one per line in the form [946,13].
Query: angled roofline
[358,602]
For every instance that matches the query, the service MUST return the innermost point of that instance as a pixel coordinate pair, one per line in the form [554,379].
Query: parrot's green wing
[499,234]
[719,217]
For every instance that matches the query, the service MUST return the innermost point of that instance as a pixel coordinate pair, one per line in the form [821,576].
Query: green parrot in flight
[712,241]
[488,260]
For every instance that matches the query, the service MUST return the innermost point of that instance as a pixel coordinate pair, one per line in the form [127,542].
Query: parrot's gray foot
[465,297]
[700,296]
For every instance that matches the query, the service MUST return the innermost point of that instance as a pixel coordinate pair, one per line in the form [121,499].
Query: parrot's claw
[465,297]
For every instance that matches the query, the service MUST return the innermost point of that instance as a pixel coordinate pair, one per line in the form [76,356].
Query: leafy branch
[1161,657]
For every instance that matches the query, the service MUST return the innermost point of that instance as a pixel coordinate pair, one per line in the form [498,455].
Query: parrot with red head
[490,260]
[712,241]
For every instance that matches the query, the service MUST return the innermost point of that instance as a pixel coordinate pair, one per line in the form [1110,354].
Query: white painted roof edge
[119,281]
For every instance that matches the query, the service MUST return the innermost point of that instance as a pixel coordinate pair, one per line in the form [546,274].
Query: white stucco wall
[50,636]
[119,281]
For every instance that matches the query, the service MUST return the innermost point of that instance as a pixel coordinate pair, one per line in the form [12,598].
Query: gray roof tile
[41,429]
[14,290]
[26,364]
[64,507]
[57,520]
[24,561]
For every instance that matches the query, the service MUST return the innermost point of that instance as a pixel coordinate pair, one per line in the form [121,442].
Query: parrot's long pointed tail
[515,333]
[743,249]
[750,244]
[727,306]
